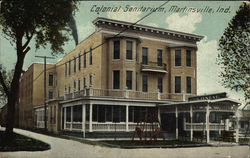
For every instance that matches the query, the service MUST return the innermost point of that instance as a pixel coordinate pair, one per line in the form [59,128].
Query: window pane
[160,86]
[177,84]
[144,83]
[79,85]
[77,113]
[79,62]
[109,113]
[101,113]
[177,57]
[65,69]
[129,79]
[123,113]
[116,114]
[84,59]
[90,56]
[116,49]
[189,84]
[131,114]
[95,112]
[87,112]
[51,79]
[69,67]
[159,57]
[74,64]
[50,94]
[68,114]
[145,56]
[188,57]
[129,52]
[116,79]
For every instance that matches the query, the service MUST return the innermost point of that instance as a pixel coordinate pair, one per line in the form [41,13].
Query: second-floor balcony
[124,94]
[154,67]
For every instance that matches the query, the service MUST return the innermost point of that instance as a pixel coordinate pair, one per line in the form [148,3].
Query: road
[62,148]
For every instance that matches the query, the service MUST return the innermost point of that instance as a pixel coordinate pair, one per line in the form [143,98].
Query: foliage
[7,75]
[46,20]
[234,56]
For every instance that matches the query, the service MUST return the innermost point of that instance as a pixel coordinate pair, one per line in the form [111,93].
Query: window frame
[159,60]
[188,58]
[189,84]
[113,80]
[177,89]
[116,50]
[129,81]
[178,59]
[145,56]
[129,53]
[144,83]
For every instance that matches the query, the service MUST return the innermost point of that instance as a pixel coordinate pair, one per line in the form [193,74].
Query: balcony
[154,67]
[127,94]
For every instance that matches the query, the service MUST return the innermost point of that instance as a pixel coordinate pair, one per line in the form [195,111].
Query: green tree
[46,22]
[234,52]
[7,77]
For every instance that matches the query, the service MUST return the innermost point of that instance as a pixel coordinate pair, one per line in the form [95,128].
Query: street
[62,148]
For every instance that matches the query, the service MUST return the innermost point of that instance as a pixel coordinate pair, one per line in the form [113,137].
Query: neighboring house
[116,78]
[244,122]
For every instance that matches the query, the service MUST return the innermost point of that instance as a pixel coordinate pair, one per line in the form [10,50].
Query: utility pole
[45,89]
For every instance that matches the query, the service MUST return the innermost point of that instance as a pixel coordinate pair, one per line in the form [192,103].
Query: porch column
[207,122]
[71,118]
[191,123]
[237,126]
[83,119]
[176,123]
[64,118]
[127,118]
[90,117]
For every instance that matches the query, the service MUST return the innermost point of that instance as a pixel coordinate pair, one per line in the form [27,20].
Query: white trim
[154,70]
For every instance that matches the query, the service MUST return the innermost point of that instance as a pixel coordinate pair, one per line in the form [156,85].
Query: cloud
[184,23]
[124,16]
[85,30]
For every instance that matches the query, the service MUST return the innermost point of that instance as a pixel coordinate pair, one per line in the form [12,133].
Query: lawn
[21,143]
[159,143]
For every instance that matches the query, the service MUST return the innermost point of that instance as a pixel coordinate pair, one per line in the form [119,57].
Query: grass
[18,142]
[149,143]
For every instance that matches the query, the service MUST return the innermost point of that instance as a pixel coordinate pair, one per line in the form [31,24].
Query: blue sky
[210,25]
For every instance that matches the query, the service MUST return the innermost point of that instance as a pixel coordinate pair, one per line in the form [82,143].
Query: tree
[7,77]
[46,22]
[234,52]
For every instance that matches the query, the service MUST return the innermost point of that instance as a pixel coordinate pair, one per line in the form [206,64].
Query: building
[113,79]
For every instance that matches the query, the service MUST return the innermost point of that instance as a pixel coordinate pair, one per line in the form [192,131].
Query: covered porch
[201,119]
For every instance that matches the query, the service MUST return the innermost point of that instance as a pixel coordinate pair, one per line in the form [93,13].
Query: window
[116,54]
[177,84]
[50,94]
[79,62]
[84,82]
[84,59]
[116,79]
[129,76]
[69,89]
[109,111]
[188,58]
[69,67]
[90,56]
[101,113]
[74,86]
[79,84]
[68,114]
[65,69]
[77,113]
[95,112]
[87,112]
[177,57]
[159,84]
[51,79]
[136,81]
[129,50]
[159,57]
[144,56]
[144,83]
[189,85]
[91,79]
[65,89]
[74,64]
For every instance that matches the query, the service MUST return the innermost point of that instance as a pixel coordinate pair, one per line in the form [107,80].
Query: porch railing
[114,93]
[202,126]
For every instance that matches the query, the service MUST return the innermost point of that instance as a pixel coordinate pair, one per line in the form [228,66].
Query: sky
[210,25]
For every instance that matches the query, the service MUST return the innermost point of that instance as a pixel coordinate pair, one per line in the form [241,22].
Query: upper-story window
[69,89]
[159,57]
[79,84]
[159,84]
[84,59]
[188,58]
[189,84]
[178,57]
[50,94]
[91,79]
[144,55]
[145,83]
[74,64]
[69,67]
[65,69]
[129,50]
[116,79]
[116,53]
[51,79]
[129,78]
[79,62]
[177,84]
[84,83]
[90,56]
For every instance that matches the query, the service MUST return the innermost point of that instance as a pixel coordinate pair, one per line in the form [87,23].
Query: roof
[167,32]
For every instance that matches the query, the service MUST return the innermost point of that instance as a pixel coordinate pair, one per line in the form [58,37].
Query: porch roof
[222,101]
